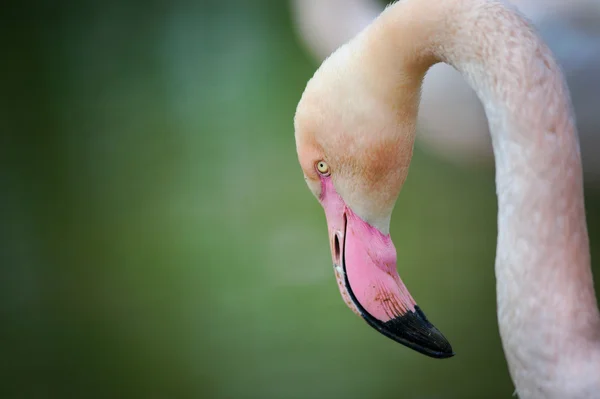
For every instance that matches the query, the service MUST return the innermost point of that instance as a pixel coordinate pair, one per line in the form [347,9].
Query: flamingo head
[354,137]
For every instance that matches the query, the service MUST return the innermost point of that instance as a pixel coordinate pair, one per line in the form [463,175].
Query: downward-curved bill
[365,267]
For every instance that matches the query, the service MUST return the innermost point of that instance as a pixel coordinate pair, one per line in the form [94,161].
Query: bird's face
[355,156]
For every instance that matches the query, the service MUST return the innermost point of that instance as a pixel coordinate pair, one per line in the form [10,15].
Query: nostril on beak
[336,248]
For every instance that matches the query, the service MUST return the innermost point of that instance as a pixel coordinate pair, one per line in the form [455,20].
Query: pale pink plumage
[358,114]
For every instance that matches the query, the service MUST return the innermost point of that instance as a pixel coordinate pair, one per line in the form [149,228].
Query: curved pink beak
[365,266]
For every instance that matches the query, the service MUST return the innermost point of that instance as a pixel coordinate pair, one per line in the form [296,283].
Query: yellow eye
[323,168]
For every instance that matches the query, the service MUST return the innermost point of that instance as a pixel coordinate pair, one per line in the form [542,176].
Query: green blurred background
[157,239]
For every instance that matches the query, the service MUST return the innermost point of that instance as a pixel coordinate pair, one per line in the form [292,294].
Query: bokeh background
[157,239]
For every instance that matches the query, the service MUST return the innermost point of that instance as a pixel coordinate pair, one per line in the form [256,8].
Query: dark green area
[157,239]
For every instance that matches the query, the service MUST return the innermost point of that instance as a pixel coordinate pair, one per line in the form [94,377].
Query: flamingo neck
[547,309]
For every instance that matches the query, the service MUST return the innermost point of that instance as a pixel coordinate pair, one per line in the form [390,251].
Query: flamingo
[451,118]
[355,130]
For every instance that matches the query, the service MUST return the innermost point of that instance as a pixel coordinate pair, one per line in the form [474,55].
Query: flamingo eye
[323,168]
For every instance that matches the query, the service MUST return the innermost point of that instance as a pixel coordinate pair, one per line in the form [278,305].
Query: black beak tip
[416,332]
